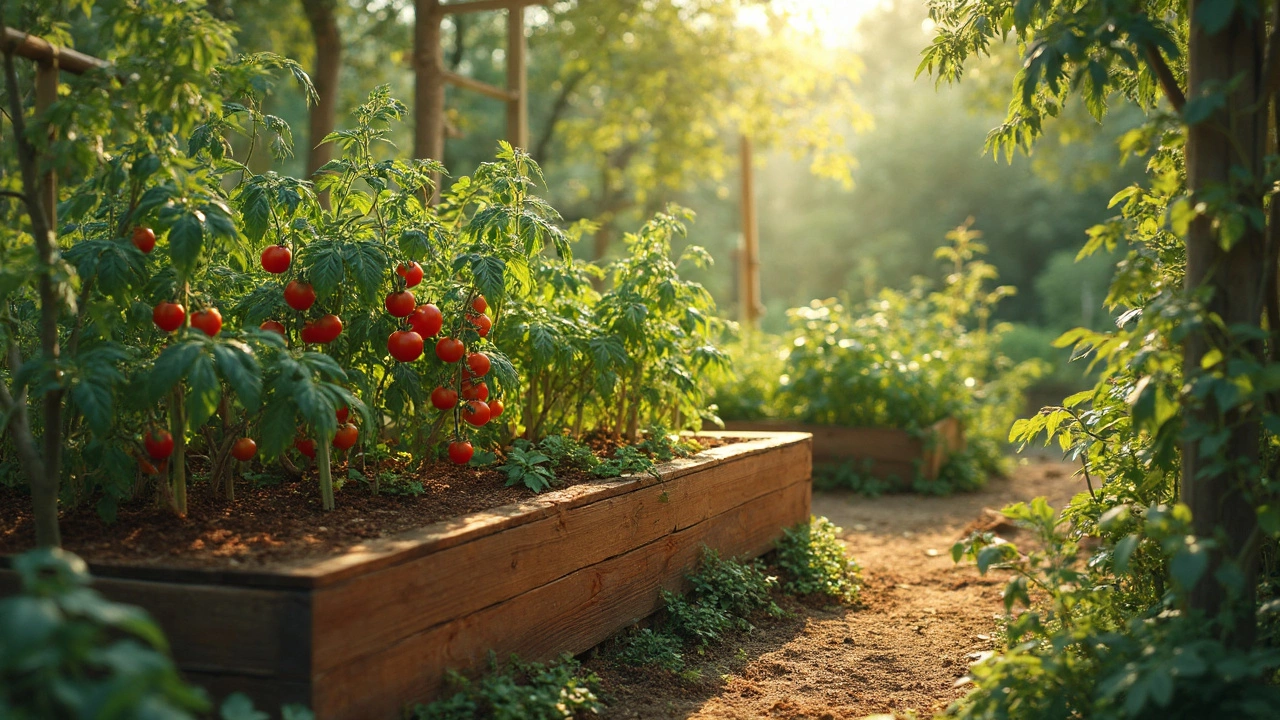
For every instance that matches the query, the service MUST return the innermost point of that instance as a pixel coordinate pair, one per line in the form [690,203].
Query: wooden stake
[518,105]
[749,283]
[428,99]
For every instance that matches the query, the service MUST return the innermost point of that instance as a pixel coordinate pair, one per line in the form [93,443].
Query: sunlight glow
[835,20]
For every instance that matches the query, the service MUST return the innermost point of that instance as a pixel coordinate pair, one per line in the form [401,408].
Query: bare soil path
[920,619]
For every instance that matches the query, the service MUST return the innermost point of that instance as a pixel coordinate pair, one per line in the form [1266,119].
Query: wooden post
[749,282]
[428,99]
[518,105]
[46,94]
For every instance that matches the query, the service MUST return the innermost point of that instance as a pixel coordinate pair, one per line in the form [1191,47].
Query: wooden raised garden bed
[364,633]
[886,453]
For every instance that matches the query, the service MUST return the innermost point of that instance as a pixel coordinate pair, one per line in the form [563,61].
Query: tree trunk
[428,86]
[324,28]
[1234,137]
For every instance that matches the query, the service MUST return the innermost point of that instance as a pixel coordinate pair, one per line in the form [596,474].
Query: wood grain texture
[357,617]
[888,453]
[571,614]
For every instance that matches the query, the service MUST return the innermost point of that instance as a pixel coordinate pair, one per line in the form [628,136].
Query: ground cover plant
[901,360]
[189,314]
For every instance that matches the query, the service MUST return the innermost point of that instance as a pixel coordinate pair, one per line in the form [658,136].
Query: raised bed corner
[365,633]
[888,453]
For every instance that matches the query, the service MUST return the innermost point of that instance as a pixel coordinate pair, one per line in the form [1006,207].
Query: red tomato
[450,349]
[276,259]
[476,412]
[159,444]
[244,449]
[495,408]
[275,327]
[144,239]
[346,436]
[299,295]
[482,324]
[323,330]
[479,363]
[400,304]
[444,398]
[460,452]
[412,273]
[405,346]
[479,391]
[168,316]
[147,467]
[480,304]
[207,321]
[306,446]
[342,413]
[426,320]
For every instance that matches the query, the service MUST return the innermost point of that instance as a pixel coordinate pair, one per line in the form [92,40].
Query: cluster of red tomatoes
[169,316]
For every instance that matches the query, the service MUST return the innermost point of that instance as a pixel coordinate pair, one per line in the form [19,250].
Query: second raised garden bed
[365,633]
[884,453]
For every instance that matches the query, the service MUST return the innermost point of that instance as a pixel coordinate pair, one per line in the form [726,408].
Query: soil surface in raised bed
[277,518]
[921,620]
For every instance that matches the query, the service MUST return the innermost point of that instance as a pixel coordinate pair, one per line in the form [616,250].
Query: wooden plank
[893,453]
[379,553]
[483,88]
[36,48]
[518,104]
[571,614]
[215,629]
[369,611]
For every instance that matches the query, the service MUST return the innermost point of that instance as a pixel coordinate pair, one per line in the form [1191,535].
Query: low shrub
[519,691]
[815,563]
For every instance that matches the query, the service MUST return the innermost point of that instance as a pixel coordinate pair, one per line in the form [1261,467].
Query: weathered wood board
[887,453]
[368,632]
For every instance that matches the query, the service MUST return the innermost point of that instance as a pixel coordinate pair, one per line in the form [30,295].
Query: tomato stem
[326,475]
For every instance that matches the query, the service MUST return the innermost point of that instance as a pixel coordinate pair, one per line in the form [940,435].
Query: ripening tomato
[482,324]
[450,349]
[480,304]
[444,398]
[299,295]
[346,436]
[479,363]
[495,408]
[405,345]
[159,444]
[427,320]
[168,316]
[477,391]
[144,238]
[323,330]
[276,259]
[400,304]
[342,414]
[460,452]
[244,449]
[207,321]
[306,446]
[274,326]
[412,273]
[476,412]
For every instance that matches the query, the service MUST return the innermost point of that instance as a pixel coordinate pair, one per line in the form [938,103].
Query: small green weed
[739,589]
[521,691]
[528,466]
[663,446]
[814,561]
[626,460]
[655,648]
[566,452]
[697,622]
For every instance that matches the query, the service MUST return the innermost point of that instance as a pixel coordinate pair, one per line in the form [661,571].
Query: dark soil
[270,524]
[920,621]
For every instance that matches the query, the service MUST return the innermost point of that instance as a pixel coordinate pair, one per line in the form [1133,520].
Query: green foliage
[567,452]
[529,467]
[814,562]
[520,691]
[1101,634]
[724,595]
[626,460]
[903,360]
[66,652]
[655,648]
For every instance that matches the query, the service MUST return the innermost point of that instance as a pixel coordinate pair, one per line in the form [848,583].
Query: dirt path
[902,649]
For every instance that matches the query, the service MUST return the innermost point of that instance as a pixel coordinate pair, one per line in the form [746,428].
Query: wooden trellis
[429,125]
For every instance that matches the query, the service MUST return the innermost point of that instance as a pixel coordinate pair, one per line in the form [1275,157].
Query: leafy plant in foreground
[520,691]
[815,562]
[525,465]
